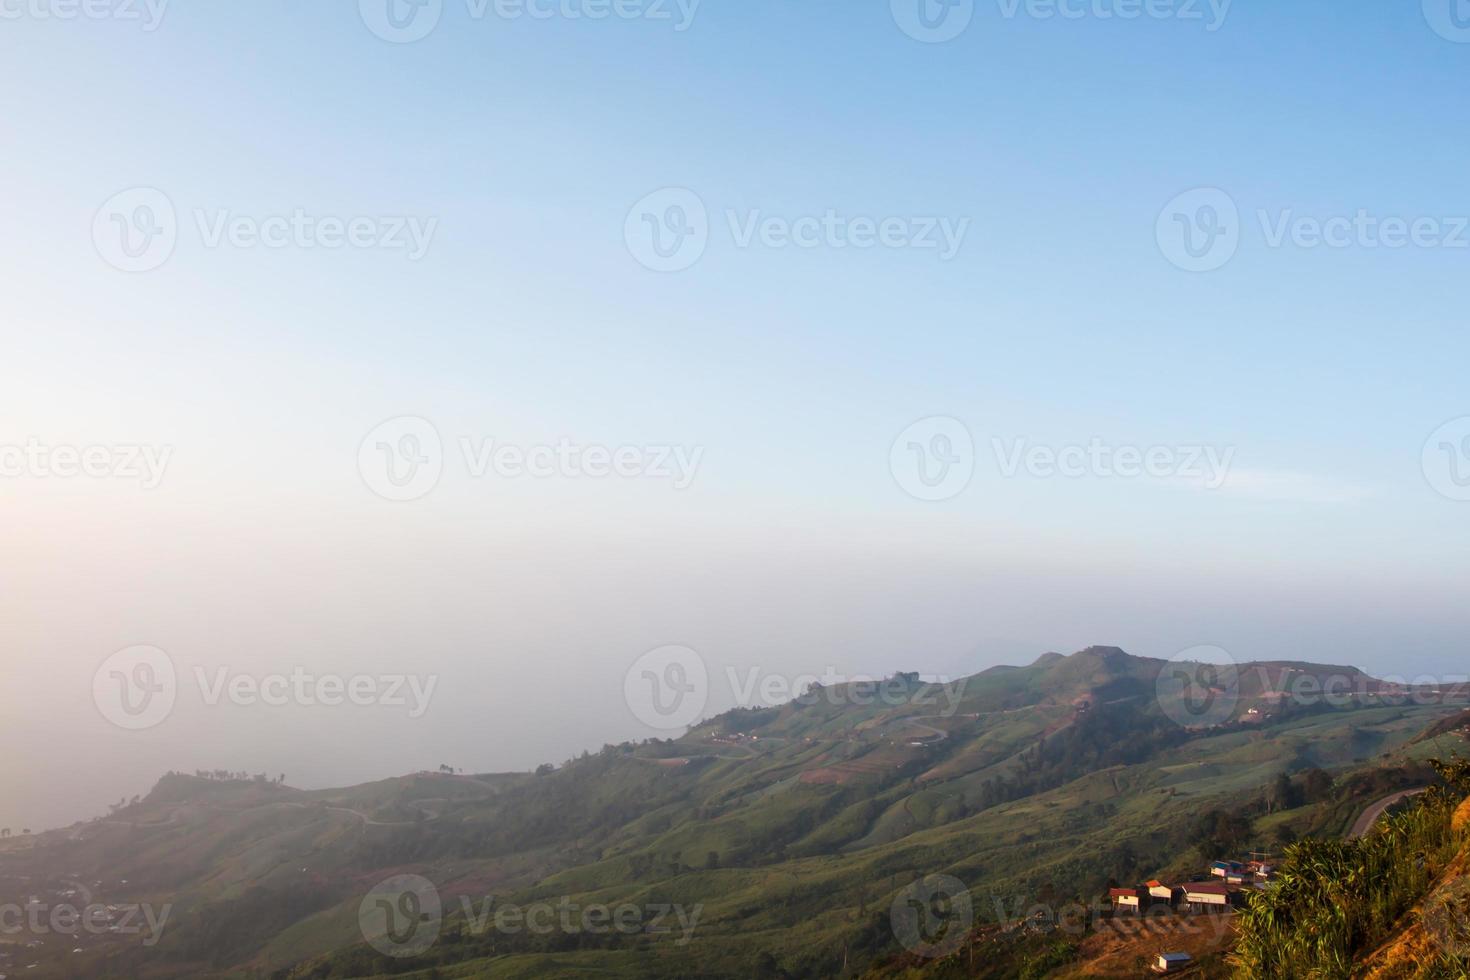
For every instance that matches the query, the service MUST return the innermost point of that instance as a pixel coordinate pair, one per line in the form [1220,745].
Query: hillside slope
[1434,944]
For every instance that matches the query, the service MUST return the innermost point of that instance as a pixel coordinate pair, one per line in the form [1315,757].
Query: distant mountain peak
[1106,653]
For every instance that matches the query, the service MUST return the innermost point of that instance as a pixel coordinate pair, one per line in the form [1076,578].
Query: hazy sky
[1059,316]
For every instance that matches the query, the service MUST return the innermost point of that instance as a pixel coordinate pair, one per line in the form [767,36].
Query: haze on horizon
[769,392]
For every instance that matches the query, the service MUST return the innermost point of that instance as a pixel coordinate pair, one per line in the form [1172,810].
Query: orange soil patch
[1119,946]
[844,772]
[1462,818]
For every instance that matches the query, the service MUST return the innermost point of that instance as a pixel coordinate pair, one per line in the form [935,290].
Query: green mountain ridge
[792,829]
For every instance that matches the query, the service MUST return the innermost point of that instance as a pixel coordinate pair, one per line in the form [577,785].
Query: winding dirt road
[1375,812]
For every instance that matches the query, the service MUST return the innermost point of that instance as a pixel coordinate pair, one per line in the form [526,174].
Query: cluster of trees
[123,804]
[1223,833]
[230,776]
[1287,792]
[1228,833]
[1100,739]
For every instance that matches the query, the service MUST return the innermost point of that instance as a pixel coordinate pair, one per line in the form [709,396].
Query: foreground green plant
[1336,899]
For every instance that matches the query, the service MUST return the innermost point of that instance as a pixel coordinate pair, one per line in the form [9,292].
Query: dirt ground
[1126,947]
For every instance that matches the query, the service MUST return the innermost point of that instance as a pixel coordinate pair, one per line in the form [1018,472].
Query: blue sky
[1061,320]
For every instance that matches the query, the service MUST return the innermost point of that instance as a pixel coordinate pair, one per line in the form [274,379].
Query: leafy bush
[1338,898]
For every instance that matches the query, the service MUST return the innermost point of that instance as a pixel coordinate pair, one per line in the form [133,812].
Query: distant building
[1163,894]
[1222,868]
[1212,896]
[1172,962]
[1127,900]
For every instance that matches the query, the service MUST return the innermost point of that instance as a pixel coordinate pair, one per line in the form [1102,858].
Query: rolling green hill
[769,842]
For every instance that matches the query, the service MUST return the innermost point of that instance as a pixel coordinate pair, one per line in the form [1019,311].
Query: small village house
[1172,962]
[1162,894]
[1126,900]
[1260,870]
[1212,896]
